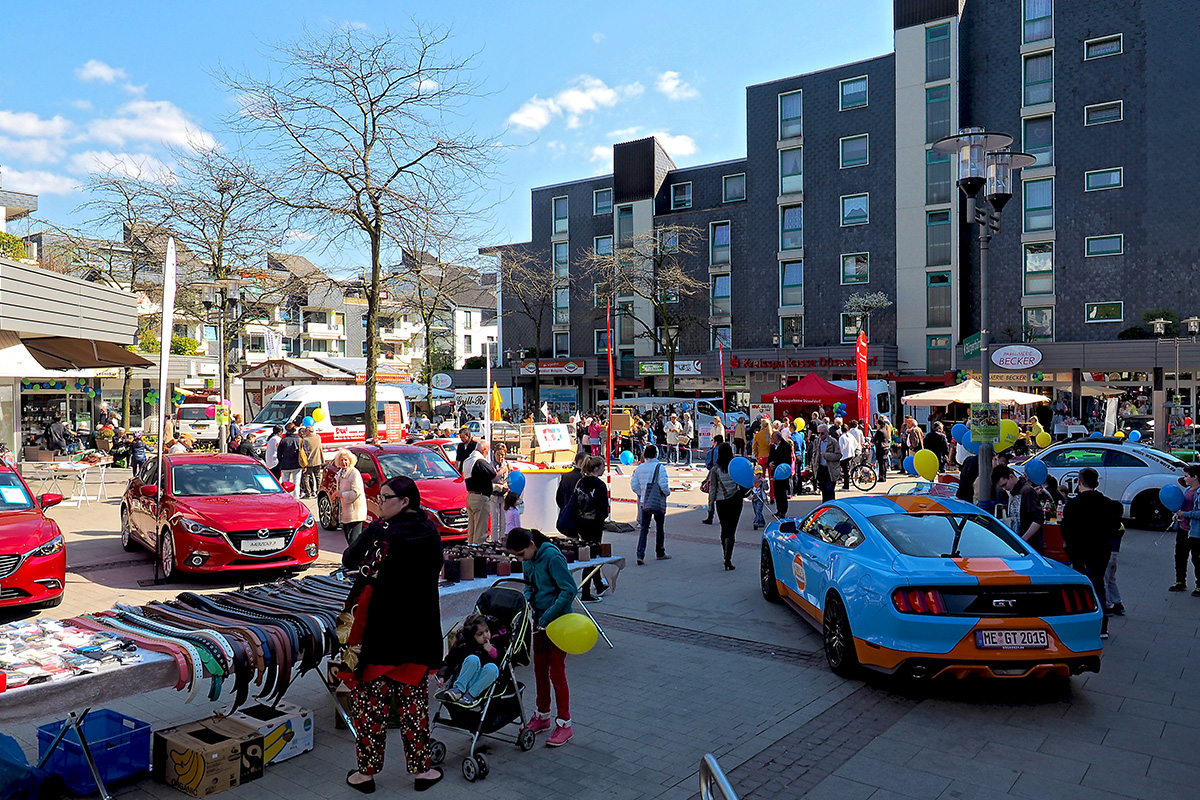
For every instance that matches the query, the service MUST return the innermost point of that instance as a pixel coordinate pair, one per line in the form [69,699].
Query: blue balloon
[627,458]
[742,472]
[1171,496]
[1135,436]
[516,481]
[685,406]
[307,422]
[969,443]
[959,432]
[1096,434]
[910,466]
[1036,471]
[783,472]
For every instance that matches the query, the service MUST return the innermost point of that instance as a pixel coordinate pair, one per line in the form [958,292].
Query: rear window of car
[13,496]
[933,535]
[193,413]
[422,466]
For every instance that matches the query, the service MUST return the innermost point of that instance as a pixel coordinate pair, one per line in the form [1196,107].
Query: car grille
[1010,601]
[9,564]
[12,593]
[237,537]
[454,518]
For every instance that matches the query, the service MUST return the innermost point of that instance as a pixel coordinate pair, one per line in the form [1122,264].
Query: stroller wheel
[470,769]
[526,739]
[482,763]
[437,752]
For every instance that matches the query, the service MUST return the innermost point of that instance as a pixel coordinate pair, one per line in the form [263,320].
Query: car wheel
[1149,513]
[839,641]
[325,512]
[127,532]
[168,554]
[766,572]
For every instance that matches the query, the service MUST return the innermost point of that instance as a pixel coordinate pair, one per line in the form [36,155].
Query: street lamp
[221,295]
[984,163]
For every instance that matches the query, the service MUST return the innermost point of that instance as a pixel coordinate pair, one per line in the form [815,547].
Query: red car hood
[244,512]
[21,531]
[443,493]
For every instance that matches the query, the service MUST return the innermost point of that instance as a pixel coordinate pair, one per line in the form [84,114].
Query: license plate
[262,545]
[1012,640]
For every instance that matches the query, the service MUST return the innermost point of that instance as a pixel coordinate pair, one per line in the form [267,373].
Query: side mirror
[787,526]
[149,491]
[47,500]
[368,479]
[288,486]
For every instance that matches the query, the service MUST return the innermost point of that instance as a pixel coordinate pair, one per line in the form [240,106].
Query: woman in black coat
[398,625]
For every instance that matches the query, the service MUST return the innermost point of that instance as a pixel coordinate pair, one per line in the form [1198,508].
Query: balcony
[322,354]
[325,330]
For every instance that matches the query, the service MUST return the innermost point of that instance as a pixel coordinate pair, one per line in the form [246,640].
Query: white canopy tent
[971,391]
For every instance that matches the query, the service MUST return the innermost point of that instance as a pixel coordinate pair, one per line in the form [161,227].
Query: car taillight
[1078,600]
[918,601]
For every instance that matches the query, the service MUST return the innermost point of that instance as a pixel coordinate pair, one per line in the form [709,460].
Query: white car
[1131,473]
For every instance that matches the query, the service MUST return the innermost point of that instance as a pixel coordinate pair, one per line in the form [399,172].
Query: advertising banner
[985,422]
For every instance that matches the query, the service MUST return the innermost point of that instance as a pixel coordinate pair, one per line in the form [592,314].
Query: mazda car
[33,558]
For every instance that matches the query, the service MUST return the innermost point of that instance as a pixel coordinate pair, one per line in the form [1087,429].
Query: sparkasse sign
[1017,357]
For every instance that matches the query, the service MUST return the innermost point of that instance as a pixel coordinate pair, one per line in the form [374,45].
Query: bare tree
[863,304]
[528,289]
[362,133]
[651,269]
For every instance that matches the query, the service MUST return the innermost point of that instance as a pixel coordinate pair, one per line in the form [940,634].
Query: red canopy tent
[812,390]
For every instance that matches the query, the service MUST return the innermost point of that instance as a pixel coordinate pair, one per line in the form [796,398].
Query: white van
[703,410]
[343,421]
[192,418]
[881,397]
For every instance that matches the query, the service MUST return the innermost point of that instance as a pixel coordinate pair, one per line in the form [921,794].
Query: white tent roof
[970,391]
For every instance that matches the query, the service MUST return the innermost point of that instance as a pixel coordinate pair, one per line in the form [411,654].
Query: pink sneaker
[562,734]
[538,724]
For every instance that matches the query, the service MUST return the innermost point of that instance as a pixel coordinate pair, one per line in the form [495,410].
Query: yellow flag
[495,402]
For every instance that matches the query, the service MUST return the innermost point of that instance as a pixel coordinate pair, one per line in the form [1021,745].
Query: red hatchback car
[217,512]
[443,493]
[33,557]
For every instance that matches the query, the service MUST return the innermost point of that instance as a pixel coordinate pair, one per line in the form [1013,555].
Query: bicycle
[862,472]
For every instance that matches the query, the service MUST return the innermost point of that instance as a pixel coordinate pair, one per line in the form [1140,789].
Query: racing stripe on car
[917,503]
[992,571]
[798,601]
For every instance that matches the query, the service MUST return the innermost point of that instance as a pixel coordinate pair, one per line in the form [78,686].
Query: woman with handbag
[351,498]
[728,496]
[395,638]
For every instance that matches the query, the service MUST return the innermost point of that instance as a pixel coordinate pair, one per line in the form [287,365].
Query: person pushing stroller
[475,658]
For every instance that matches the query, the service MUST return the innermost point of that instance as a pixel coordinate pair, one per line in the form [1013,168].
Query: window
[681,196]
[1039,139]
[624,225]
[850,323]
[937,113]
[623,323]
[467,320]
[853,92]
[937,354]
[791,331]
[468,344]
[601,341]
[1039,205]
[855,151]
[257,344]
[937,52]
[660,340]
[1039,78]
[722,335]
[720,296]
[603,245]
[562,344]
[318,345]
[937,238]
[733,188]
[939,177]
[1104,46]
[602,201]
[718,240]
[562,306]
[1039,268]
[856,209]
[1113,245]
[668,240]
[791,283]
[1104,312]
[599,296]
[364,348]
[1102,113]
[562,265]
[791,170]
[1101,179]
[364,323]
[1039,20]
[559,205]
[791,108]
[938,300]
[1039,324]
[855,268]
[791,228]
[1074,458]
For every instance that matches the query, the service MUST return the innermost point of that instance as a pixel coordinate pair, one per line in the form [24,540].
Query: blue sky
[90,83]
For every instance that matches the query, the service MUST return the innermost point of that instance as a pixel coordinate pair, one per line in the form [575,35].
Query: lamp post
[984,163]
[221,295]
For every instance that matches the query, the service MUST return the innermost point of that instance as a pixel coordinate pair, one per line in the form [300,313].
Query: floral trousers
[369,708]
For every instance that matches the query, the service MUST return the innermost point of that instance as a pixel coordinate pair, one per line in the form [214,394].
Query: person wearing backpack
[649,483]
[565,496]
[591,512]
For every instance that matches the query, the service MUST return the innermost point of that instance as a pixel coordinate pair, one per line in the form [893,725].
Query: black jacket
[288,452]
[481,477]
[404,623]
[779,454]
[1089,525]
[461,452]
[591,530]
[566,486]
[967,475]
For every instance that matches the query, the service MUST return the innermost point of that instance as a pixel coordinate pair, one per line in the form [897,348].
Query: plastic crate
[119,744]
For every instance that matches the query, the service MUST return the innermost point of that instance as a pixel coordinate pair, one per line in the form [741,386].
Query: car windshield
[422,466]
[936,535]
[214,480]
[192,413]
[277,412]
[13,496]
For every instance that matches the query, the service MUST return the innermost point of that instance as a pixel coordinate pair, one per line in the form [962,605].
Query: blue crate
[119,744]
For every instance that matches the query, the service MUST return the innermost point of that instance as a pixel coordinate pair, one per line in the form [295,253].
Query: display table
[50,473]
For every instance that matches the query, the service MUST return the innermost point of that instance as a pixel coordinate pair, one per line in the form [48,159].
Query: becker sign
[1017,357]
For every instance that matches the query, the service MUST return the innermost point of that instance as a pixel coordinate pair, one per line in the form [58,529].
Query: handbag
[302,454]
[655,499]
[350,624]
[706,485]
[566,517]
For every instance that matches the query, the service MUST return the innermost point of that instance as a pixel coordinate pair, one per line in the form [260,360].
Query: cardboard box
[206,757]
[37,454]
[287,729]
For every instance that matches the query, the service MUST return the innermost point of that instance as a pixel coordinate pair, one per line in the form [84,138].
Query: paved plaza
[702,664]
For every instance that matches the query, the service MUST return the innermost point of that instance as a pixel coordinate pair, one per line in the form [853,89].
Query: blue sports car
[926,586]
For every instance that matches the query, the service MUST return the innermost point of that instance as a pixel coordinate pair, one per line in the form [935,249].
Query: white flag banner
[274,344]
[545,409]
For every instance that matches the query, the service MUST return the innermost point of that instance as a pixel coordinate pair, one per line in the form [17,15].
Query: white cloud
[597,37]
[39,182]
[624,133]
[428,85]
[534,114]
[94,70]
[37,151]
[134,165]
[82,105]
[602,154]
[678,145]
[150,121]
[296,235]
[556,147]
[675,89]
[587,94]
[28,124]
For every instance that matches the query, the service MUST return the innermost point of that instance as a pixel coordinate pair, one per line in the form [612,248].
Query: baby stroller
[500,704]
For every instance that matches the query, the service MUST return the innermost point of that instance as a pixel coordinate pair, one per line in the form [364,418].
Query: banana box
[287,729]
[206,757]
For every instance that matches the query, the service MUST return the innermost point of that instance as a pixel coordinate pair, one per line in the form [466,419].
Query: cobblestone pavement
[702,664]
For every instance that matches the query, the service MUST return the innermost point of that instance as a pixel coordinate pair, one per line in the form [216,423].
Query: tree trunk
[670,367]
[126,386]
[370,415]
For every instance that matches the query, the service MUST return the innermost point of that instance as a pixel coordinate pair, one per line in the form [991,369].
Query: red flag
[721,361]
[860,363]
[611,383]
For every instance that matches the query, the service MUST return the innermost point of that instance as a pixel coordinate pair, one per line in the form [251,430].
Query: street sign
[972,345]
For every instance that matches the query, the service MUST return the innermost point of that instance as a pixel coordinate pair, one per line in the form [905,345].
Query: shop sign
[704,384]
[660,367]
[758,409]
[972,345]
[797,363]
[442,381]
[360,378]
[1017,357]
[985,422]
[108,372]
[552,368]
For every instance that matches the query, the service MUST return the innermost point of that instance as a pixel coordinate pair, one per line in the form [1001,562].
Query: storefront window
[8,417]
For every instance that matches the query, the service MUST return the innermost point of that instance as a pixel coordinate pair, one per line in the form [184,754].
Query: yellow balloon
[1009,434]
[926,464]
[318,414]
[573,633]
[1120,434]
[1044,439]
[799,424]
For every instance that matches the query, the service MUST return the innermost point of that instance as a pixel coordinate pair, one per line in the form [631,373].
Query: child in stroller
[474,657]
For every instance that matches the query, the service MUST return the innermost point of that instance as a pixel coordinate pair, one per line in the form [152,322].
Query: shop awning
[970,392]
[61,352]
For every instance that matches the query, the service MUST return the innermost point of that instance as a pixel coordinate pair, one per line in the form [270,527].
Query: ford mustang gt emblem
[1003,603]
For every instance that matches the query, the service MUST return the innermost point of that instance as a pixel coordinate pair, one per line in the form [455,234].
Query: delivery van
[337,413]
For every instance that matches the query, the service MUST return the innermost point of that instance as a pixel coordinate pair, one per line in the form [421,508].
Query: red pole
[611,381]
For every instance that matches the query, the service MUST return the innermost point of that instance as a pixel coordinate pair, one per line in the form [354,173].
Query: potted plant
[104,438]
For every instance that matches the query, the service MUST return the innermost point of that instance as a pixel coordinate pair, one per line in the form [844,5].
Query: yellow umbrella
[495,402]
